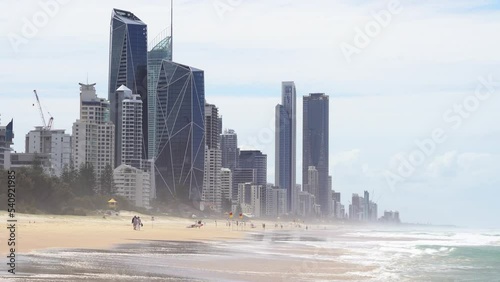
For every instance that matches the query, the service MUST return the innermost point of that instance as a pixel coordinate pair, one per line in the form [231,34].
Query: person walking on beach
[139,223]
[134,222]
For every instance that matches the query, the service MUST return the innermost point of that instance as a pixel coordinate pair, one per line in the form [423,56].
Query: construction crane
[51,120]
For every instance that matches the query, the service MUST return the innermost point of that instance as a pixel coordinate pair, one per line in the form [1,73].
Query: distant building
[55,143]
[211,194]
[19,160]
[242,176]
[276,201]
[226,183]
[312,185]
[315,145]
[6,141]
[250,198]
[133,184]
[356,209]
[390,216]
[337,205]
[285,143]
[256,160]
[306,204]
[128,62]
[229,148]
[366,205]
[93,138]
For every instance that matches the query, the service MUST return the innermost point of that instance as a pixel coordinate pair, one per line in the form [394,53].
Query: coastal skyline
[381,102]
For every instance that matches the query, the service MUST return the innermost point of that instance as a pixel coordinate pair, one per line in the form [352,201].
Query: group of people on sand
[136,222]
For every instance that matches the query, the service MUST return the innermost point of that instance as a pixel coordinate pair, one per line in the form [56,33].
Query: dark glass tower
[285,144]
[128,62]
[180,132]
[161,50]
[315,145]
[229,148]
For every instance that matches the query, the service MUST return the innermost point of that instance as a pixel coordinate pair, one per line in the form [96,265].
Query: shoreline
[41,232]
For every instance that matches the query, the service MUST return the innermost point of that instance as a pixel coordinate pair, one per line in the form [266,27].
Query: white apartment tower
[93,133]
[129,128]
[55,143]
[211,193]
[226,183]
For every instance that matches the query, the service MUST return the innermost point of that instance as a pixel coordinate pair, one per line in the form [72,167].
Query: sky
[413,85]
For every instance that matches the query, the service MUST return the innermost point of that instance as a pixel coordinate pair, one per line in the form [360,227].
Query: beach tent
[112,203]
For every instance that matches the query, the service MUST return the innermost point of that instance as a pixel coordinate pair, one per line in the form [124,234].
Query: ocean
[321,253]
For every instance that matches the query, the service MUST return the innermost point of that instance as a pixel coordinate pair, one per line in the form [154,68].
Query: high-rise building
[229,148]
[367,213]
[305,203]
[133,184]
[160,49]
[180,132]
[6,140]
[276,201]
[241,176]
[128,61]
[315,145]
[258,161]
[93,139]
[255,160]
[250,198]
[356,207]
[285,143]
[226,183]
[55,143]
[312,185]
[128,128]
[211,182]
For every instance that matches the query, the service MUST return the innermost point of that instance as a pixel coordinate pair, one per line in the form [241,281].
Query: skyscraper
[315,145]
[128,128]
[180,132]
[285,143]
[93,139]
[160,49]
[211,181]
[229,148]
[128,61]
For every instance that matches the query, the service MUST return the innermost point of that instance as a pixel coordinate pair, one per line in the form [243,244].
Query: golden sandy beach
[36,232]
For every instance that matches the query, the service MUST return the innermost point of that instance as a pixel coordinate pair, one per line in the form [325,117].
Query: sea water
[322,253]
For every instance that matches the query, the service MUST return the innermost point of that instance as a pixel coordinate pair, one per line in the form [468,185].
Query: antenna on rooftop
[172,29]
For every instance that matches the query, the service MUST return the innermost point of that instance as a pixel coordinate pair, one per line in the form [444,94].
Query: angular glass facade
[128,60]
[315,145]
[161,49]
[180,132]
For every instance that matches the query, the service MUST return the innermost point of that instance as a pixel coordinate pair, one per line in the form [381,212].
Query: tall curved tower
[128,61]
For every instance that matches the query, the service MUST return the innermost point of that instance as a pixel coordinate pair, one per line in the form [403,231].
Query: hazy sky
[414,108]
